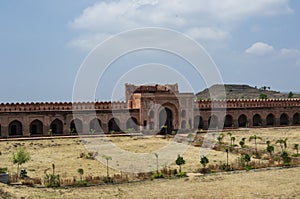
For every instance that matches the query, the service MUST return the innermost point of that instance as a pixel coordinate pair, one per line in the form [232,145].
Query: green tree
[262,96]
[285,157]
[204,161]
[80,172]
[282,143]
[232,139]
[107,158]
[242,142]
[296,147]
[255,137]
[220,138]
[247,158]
[270,149]
[20,157]
[180,161]
[291,94]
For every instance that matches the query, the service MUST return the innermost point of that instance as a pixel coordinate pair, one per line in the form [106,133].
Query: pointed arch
[36,127]
[296,119]
[198,122]
[15,128]
[257,120]
[228,122]
[284,119]
[96,125]
[57,127]
[132,123]
[114,125]
[242,121]
[213,121]
[270,120]
[76,126]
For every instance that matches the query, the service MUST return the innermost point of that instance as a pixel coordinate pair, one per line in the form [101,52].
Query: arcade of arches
[150,109]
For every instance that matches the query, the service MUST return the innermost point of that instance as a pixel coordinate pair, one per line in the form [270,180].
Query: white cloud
[260,48]
[203,19]
[207,33]
[290,52]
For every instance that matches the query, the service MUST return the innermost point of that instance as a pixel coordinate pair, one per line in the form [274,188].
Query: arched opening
[113,125]
[257,120]
[76,126]
[284,119]
[242,121]
[36,127]
[296,119]
[95,126]
[213,122]
[56,127]
[270,120]
[198,122]
[165,121]
[228,123]
[132,124]
[183,124]
[15,128]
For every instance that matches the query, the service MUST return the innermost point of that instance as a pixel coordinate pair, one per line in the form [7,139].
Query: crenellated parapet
[247,103]
[60,106]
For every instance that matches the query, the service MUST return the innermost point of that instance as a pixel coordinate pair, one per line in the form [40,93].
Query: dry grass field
[65,154]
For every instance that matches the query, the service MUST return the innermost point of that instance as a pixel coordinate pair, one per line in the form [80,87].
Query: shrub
[108,179]
[3,170]
[158,175]
[181,174]
[52,180]
[285,158]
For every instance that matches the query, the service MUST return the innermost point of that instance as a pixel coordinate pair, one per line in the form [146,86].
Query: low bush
[3,170]
[181,174]
[51,180]
[158,175]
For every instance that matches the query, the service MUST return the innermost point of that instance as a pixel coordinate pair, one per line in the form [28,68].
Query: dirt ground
[65,154]
[280,183]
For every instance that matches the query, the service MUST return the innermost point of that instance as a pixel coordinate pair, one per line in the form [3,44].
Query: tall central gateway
[162,108]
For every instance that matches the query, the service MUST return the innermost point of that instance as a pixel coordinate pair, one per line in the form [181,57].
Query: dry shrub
[28,182]
[14,178]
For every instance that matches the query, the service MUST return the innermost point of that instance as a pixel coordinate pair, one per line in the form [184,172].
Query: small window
[145,122]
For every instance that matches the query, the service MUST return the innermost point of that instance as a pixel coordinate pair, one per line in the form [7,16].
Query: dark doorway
[296,119]
[56,127]
[213,122]
[132,124]
[96,125]
[228,123]
[113,125]
[15,128]
[270,120]
[257,120]
[284,119]
[198,122]
[76,126]
[242,121]
[36,127]
[165,121]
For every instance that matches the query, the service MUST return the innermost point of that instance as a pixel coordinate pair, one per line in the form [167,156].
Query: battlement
[60,106]
[247,103]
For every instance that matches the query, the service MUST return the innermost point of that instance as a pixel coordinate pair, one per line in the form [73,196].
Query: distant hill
[236,91]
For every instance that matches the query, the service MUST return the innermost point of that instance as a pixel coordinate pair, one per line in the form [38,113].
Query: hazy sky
[43,43]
